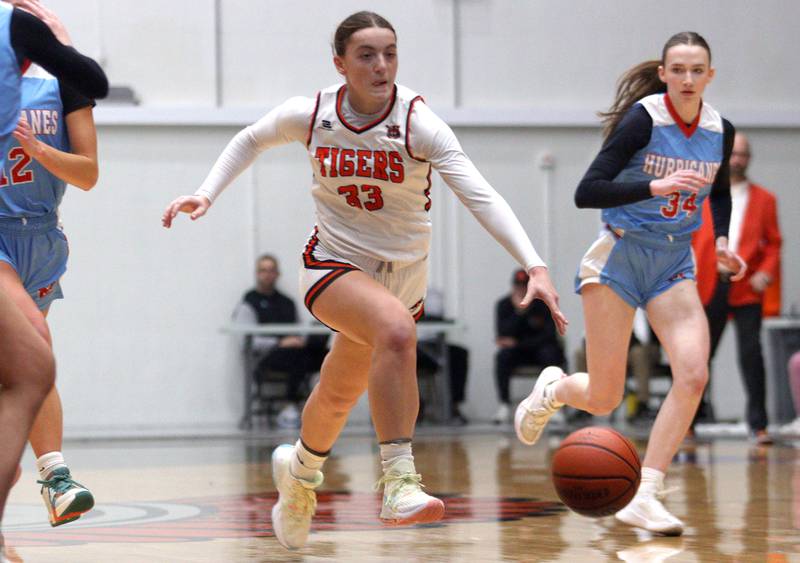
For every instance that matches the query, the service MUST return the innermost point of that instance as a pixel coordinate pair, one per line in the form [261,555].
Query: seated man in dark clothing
[290,354]
[524,337]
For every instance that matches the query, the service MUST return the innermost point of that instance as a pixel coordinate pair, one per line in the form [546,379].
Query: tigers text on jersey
[673,146]
[9,80]
[27,189]
[371,193]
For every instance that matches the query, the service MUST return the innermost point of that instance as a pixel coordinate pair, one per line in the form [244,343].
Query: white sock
[391,452]
[48,462]
[304,464]
[550,396]
[652,480]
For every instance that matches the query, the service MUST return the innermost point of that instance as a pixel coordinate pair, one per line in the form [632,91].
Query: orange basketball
[596,471]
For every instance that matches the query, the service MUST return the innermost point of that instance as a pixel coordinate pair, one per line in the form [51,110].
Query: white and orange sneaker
[536,409]
[403,499]
[297,501]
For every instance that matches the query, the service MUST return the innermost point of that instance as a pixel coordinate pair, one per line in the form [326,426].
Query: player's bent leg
[606,351]
[366,312]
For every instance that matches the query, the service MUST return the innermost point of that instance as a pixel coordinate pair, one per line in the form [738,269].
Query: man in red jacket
[754,235]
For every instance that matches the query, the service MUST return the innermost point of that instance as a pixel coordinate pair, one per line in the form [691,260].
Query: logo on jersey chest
[660,166]
[337,162]
[393,131]
[42,121]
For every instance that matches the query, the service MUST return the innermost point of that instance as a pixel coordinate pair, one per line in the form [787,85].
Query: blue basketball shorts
[37,249]
[638,267]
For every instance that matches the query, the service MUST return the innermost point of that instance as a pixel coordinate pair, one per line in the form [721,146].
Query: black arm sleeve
[32,39]
[72,100]
[597,188]
[720,196]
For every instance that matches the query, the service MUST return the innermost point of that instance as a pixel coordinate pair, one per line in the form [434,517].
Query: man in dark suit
[755,236]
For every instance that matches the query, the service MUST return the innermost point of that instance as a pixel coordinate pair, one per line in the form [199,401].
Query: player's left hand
[27,139]
[540,287]
[730,260]
[49,17]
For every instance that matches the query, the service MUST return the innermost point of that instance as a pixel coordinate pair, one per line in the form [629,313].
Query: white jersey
[372,174]
[372,195]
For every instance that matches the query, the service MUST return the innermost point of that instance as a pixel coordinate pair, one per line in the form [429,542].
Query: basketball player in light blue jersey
[27,366]
[54,143]
[665,153]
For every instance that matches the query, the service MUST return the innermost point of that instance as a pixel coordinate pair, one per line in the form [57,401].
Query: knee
[399,335]
[693,380]
[40,374]
[602,405]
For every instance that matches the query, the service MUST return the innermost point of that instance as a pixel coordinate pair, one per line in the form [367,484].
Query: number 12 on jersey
[374,199]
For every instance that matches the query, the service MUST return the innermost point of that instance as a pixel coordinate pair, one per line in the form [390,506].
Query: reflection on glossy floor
[210,500]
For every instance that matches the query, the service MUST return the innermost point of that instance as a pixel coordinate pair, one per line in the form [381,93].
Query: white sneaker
[297,501]
[403,499]
[534,411]
[646,511]
[503,414]
[289,417]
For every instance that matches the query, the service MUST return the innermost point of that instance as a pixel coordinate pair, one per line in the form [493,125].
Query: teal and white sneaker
[403,500]
[66,500]
[297,501]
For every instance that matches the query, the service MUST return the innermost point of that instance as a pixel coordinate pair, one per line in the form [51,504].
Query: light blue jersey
[673,146]
[27,189]
[30,238]
[9,81]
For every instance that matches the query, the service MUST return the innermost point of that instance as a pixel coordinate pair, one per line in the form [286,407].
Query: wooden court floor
[210,500]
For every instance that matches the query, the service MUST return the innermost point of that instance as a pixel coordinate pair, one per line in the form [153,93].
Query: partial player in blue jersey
[26,369]
[666,151]
[54,143]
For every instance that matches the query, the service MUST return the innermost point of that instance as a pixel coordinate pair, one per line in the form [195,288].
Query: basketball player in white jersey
[371,144]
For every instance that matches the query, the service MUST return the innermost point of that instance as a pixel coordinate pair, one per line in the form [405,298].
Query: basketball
[596,471]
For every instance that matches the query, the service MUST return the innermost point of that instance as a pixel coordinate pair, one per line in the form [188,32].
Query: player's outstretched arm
[195,206]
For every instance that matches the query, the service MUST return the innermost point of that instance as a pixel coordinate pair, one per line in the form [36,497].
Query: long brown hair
[356,22]
[642,80]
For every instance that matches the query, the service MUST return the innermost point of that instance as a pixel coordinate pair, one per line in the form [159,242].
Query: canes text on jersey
[42,121]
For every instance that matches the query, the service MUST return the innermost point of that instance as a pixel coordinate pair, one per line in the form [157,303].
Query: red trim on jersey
[23,68]
[313,120]
[340,97]
[408,127]
[418,315]
[317,289]
[313,264]
[688,130]
[427,191]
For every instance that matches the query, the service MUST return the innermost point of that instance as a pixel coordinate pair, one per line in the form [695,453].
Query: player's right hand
[540,287]
[196,206]
[679,181]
